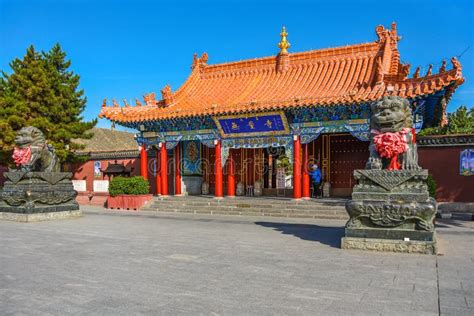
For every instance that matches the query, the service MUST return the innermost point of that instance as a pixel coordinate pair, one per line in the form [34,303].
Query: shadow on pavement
[457,220]
[327,235]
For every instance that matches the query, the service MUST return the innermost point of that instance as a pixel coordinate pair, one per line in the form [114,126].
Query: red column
[297,167]
[143,162]
[177,170]
[218,170]
[231,175]
[306,182]
[158,176]
[164,169]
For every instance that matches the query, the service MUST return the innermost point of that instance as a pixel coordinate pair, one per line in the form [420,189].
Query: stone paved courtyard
[122,263]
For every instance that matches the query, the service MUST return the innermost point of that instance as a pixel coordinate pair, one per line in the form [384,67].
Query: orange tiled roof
[342,75]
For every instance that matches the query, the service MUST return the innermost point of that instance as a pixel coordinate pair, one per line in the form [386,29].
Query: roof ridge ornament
[442,69]
[430,71]
[404,71]
[167,95]
[150,98]
[284,44]
[283,59]
[385,35]
[416,75]
[456,63]
[199,61]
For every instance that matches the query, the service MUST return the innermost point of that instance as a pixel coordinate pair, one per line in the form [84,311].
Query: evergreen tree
[461,121]
[41,91]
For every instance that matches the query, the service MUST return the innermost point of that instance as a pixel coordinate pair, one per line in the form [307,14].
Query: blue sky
[124,49]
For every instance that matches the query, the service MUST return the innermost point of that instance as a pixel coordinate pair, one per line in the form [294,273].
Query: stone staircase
[251,206]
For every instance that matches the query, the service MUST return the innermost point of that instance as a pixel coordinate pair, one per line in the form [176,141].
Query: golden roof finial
[284,44]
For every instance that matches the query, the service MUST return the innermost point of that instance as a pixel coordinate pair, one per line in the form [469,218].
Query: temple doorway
[338,156]
[251,165]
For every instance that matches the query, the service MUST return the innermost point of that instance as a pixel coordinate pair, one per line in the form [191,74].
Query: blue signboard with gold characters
[256,124]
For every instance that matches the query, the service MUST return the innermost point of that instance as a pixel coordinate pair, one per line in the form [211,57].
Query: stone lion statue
[32,153]
[393,142]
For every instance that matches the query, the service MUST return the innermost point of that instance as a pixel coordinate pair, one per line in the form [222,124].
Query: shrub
[132,186]
[459,122]
[431,183]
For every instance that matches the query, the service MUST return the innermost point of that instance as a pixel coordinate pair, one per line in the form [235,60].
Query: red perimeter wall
[85,171]
[443,164]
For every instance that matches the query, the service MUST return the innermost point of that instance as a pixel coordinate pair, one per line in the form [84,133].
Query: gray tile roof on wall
[445,140]
[109,143]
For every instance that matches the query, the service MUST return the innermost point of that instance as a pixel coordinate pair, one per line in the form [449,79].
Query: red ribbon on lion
[21,156]
[390,145]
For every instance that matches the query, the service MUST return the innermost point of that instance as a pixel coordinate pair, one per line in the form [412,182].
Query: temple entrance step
[251,206]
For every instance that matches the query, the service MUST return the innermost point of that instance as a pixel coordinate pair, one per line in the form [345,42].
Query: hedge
[131,186]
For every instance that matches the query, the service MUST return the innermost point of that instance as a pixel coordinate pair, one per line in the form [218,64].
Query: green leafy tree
[41,91]
[459,122]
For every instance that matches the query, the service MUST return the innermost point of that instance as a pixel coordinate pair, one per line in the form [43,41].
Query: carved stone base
[387,207]
[390,245]
[38,217]
[38,209]
[401,214]
[395,234]
[395,199]
[37,192]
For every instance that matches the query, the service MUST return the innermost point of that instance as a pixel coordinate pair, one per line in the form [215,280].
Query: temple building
[230,124]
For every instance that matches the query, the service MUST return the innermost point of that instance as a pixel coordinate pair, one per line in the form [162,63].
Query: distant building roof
[342,75]
[109,143]
[117,169]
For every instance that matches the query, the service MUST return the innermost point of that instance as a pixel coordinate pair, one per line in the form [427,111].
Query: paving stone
[122,263]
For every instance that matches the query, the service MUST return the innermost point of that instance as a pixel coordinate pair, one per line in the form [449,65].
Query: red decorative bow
[21,156]
[390,145]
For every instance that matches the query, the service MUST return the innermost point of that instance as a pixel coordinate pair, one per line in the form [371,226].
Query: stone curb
[39,217]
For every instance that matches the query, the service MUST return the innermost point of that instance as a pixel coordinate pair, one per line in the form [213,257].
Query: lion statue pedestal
[36,190]
[391,209]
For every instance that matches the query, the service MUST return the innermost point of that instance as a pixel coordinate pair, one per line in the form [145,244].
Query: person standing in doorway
[316,180]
